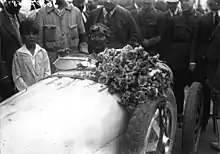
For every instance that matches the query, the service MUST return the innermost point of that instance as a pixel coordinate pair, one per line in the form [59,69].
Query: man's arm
[195,46]
[83,46]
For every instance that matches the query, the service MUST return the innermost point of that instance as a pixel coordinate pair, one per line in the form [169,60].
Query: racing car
[70,113]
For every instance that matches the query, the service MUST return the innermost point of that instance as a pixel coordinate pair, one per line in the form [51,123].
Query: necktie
[107,17]
[216,21]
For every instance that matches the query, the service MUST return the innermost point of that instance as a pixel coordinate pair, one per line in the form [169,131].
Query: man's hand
[192,66]
[151,41]
[146,43]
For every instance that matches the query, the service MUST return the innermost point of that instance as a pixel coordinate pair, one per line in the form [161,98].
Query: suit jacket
[212,54]
[124,27]
[184,31]
[205,30]
[9,40]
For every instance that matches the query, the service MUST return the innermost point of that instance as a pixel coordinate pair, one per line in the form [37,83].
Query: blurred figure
[148,20]
[208,57]
[203,55]
[91,5]
[120,22]
[161,5]
[35,5]
[10,41]
[81,5]
[61,28]
[136,5]
[185,27]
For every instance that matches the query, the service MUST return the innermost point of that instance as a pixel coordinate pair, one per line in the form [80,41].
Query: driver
[99,34]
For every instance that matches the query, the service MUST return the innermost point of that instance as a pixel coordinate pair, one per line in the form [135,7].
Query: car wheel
[192,118]
[152,127]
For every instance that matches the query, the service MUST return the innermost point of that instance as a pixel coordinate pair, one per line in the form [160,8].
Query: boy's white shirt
[19,82]
[24,49]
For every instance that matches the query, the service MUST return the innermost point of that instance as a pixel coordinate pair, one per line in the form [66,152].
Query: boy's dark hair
[27,26]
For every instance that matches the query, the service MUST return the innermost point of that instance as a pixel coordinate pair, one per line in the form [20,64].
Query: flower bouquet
[132,74]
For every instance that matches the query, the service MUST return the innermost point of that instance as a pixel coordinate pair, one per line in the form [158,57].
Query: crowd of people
[186,38]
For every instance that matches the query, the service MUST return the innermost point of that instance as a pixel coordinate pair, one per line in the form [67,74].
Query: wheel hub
[158,135]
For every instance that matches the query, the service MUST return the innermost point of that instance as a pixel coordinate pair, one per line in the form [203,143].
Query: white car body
[62,115]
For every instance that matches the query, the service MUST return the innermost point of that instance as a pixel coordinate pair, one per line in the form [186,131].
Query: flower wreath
[132,74]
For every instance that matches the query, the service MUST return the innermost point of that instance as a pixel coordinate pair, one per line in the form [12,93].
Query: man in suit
[177,52]
[10,41]
[122,25]
[206,27]
[148,21]
[210,55]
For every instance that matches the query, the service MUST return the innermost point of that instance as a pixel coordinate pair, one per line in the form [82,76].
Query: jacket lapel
[97,15]
[9,27]
[214,32]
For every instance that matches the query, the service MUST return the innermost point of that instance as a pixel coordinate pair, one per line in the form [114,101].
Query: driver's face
[98,40]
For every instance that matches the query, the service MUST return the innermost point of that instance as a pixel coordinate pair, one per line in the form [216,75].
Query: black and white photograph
[109,76]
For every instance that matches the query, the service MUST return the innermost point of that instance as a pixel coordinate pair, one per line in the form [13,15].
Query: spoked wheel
[152,129]
[192,119]
[159,135]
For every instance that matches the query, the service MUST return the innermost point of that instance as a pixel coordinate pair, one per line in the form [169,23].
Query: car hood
[60,115]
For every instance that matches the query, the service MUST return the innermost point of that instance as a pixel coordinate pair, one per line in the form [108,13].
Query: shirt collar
[24,50]
[84,9]
[214,13]
[136,6]
[175,12]
[105,12]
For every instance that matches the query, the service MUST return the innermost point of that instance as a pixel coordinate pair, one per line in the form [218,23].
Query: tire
[141,121]
[193,102]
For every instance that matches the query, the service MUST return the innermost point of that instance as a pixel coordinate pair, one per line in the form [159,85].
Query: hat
[172,1]
[100,28]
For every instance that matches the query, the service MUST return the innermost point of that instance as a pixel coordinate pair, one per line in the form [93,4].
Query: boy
[30,62]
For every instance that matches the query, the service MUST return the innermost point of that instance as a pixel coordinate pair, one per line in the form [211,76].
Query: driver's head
[13,6]
[98,37]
